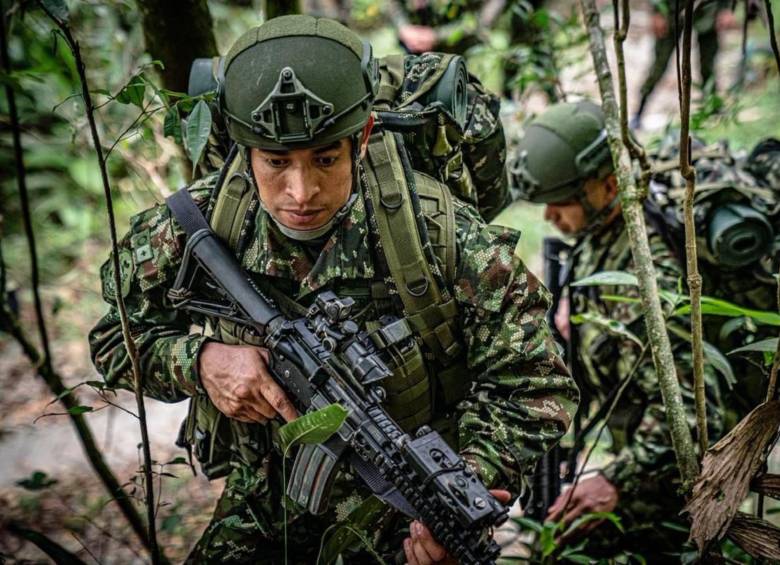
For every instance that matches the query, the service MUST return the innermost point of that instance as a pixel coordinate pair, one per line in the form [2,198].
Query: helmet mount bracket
[290,113]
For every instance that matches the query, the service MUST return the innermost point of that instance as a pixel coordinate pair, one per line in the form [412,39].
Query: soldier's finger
[430,545]
[557,508]
[573,513]
[261,405]
[251,415]
[409,552]
[420,553]
[275,395]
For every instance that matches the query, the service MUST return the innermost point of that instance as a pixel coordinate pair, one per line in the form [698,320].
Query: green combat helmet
[561,149]
[278,92]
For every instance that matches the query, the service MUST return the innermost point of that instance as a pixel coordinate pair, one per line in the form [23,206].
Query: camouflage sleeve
[484,151]
[648,453]
[523,397]
[149,256]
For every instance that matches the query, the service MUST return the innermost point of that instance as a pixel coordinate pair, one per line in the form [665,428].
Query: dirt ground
[75,511]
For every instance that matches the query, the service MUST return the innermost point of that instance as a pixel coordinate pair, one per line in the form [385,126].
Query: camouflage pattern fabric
[484,143]
[521,398]
[644,469]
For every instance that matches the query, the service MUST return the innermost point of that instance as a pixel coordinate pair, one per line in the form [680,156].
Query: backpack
[736,211]
[449,123]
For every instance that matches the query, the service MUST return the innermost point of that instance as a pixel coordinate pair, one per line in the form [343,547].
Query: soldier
[564,161]
[310,201]
[709,19]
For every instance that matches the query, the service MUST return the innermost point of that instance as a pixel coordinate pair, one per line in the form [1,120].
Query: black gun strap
[186,212]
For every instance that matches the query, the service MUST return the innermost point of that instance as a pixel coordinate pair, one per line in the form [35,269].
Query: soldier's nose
[300,187]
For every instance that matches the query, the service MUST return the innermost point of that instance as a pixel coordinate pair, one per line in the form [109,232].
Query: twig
[130,346]
[633,214]
[634,148]
[21,180]
[84,547]
[771,389]
[694,278]
[770,20]
[42,361]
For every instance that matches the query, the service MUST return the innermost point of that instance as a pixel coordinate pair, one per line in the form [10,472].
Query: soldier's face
[569,216]
[304,188]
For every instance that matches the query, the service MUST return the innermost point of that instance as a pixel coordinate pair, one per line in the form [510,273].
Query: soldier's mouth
[304,218]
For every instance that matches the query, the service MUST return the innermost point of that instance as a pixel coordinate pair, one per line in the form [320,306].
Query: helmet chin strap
[594,219]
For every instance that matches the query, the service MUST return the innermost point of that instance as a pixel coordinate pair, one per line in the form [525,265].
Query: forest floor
[75,510]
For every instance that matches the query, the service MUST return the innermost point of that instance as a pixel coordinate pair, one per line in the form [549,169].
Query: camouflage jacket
[522,399]
[611,343]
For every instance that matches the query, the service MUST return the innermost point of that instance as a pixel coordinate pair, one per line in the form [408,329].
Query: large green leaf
[607,278]
[718,307]
[197,132]
[172,124]
[712,354]
[133,92]
[611,326]
[768,345]
[314,427]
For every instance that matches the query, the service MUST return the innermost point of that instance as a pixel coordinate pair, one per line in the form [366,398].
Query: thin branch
[771,389]
[130,346]
[21,180]
[633,214]
[770,20]
[692,265]
[41,361]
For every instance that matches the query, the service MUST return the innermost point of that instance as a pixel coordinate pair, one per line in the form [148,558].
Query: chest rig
[412,224]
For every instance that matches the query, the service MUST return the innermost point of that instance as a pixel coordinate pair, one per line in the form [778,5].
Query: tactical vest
[414,218]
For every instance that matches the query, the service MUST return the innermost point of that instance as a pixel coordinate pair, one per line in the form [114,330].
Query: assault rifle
[323,358]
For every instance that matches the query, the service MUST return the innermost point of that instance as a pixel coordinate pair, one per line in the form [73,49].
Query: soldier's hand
[418,39]
[422,549]
[238,382]
[595,494]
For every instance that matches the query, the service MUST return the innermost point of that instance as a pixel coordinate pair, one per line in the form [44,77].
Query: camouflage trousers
[248,526]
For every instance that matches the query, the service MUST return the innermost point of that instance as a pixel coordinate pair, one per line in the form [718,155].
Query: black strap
[186,212]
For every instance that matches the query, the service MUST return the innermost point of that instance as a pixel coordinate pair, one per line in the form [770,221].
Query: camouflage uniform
[645,470]
[521,401]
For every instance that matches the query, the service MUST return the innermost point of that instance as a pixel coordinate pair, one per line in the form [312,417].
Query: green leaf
[314,427]
[58,9]
[717,307]
[768,345]
[620,298]
[593,516]
[197,132]
[528,523]
[608,277]
[712,354]
[78,410]
[172,124]
[578,558]
[133,92]
[37,481]
[177,461]
[611,326]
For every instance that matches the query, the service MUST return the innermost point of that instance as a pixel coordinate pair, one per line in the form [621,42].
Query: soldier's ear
[612,187]
[365,134]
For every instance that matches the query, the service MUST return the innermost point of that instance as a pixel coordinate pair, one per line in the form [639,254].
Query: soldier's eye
[277,163]
[325,161]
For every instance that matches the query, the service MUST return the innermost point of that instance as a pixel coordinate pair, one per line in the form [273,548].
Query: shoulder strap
[430,310]
[438,208]
[233,197]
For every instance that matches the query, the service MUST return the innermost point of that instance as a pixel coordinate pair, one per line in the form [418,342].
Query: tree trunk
[177,32]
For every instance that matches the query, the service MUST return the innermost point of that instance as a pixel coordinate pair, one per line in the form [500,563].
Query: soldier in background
[710,18]
[305,202]
[564,161]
